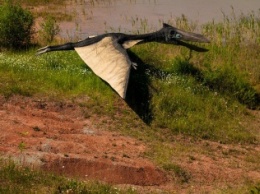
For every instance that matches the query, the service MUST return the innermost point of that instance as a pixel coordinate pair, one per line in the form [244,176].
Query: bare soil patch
[55,136]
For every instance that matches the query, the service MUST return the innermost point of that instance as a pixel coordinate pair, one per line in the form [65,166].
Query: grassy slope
[204,97]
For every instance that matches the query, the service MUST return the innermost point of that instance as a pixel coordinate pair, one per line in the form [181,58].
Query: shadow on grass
[226,81]
[138,95]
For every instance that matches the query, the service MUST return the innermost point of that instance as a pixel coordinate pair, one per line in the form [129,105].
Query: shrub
[15,25]
[49,29]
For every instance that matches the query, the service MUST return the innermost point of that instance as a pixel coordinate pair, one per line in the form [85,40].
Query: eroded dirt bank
[55,136]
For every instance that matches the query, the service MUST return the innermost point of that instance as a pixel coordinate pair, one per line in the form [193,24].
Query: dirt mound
[56,137]
[107,171]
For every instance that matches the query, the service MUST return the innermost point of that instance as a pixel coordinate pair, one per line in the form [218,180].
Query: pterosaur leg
[134,65]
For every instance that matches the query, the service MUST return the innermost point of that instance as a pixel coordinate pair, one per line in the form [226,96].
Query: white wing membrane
[109,61]
[129,44]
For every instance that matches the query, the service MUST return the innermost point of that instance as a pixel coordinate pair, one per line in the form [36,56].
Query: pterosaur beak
[190,36]
[192,47]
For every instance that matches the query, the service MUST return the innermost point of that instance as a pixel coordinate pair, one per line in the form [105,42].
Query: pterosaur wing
[108,60]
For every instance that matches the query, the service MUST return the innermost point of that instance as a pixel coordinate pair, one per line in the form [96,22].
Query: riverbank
[191,124]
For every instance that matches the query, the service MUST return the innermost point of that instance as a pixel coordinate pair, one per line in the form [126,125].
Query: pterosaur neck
[149,37]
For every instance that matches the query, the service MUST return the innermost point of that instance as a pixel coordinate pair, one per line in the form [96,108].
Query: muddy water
[99,16]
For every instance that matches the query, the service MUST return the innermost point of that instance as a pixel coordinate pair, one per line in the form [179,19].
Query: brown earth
[56,136]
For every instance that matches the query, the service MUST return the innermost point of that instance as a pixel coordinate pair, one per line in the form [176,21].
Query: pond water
[99,16]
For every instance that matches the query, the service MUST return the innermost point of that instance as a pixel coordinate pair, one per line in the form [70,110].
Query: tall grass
[207,95]
[187,100]
[236,44]
[39,2]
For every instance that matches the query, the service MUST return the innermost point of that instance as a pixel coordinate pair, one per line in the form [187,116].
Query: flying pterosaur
[107,57]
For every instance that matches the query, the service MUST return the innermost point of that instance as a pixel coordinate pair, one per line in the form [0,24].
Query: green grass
[55,75]
[39,2]
[195,97]
[195,101]
[205,96]
[252,189]
[17,179]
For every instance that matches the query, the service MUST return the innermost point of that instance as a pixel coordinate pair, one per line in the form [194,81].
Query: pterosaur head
[176,36]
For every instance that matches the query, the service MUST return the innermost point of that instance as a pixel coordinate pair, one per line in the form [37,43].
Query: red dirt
[56,137]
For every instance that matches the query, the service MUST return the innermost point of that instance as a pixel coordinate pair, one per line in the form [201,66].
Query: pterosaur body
[107,57]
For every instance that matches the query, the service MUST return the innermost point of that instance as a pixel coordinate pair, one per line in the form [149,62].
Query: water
[99,16]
